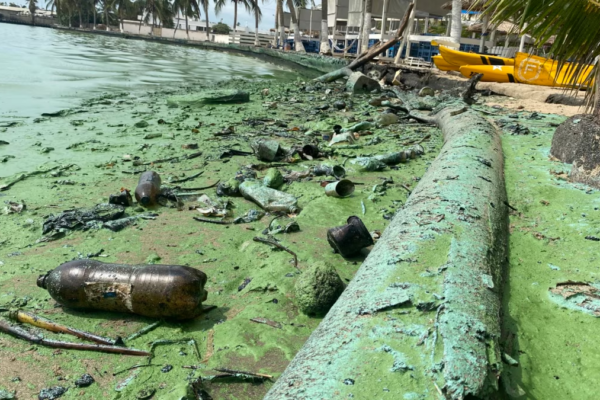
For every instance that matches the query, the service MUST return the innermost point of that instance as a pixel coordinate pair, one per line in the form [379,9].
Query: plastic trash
[160,291]
[148,188]
[343,188]
[269,199]
[368,164]
[349,239]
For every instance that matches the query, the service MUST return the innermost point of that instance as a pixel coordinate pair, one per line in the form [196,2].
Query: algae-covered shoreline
[548,348]
[227,254]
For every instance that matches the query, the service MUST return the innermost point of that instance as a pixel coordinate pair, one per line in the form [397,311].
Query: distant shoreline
[310,64]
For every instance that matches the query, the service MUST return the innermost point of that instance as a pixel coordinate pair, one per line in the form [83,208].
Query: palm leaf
[574,23]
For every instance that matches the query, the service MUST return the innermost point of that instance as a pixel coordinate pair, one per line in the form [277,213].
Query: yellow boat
[460,58]
[535,70]
[442,65]
[491,73]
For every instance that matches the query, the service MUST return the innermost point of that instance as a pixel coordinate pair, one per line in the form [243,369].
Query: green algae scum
[248,281]
[532,337]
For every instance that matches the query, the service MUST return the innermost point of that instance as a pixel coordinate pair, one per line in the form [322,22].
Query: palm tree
[32,7]
[120,7]
[282,35]
[366,29]
[106,6]
[257,17]
[205,4]
[456,26]
[575,27]
[219,4]
[324,48]
[294,25]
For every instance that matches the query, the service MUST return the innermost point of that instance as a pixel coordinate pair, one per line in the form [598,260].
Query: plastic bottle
[148,188]
[161,291]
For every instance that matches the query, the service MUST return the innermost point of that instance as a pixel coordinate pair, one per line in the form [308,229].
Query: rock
[569,135]
[52,393]
[318,288]
[209,97]
[273,179]
[84,381]
[426,91]
[360,83]
[6,395]
[386,119]
[267,150]
[153,259]
[586,162]
[141,124]
[229,188]
[339,105]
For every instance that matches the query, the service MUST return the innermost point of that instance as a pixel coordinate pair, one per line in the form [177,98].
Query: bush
[221,29]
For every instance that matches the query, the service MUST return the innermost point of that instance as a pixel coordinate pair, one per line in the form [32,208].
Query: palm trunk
[187,27]
[176,25]
[94,7]
[456,28]
[366,26]
[256,40]
[282,37]
[235,4]
[121,27]
[205,4]
[276,23]
[324,48]
[294,26]
[106,18]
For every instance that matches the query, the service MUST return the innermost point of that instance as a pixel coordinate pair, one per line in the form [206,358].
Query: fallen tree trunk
[421,317]
[369,55]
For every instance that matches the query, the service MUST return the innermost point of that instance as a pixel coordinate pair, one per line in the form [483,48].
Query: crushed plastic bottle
[269,199]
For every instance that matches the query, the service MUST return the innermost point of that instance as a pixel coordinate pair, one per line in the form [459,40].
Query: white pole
[384,19]
[456,28]
[426,29]
[448,25]
[484,28]
[522,44]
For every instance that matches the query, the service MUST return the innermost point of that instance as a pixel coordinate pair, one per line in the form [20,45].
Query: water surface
[45,70]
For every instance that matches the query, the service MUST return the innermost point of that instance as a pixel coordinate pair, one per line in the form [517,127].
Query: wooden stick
[274,243]
[23,334]
[35,320]
[189,178]
[234,372]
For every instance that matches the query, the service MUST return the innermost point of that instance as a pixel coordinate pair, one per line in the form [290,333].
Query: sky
[245,19]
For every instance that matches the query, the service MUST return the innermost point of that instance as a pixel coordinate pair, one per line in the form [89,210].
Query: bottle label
[109,296]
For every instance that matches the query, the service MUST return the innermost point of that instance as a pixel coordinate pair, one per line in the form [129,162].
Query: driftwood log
[370,54]
[421,318]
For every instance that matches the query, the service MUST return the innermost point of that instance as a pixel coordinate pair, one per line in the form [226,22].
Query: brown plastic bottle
[161,291]
[148,188]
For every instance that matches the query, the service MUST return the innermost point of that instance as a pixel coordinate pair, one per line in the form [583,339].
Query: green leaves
[572,24]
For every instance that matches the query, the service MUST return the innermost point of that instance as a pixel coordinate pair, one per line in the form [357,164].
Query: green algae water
[45,70]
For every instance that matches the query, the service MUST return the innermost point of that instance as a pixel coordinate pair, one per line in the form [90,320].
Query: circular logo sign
[529,70]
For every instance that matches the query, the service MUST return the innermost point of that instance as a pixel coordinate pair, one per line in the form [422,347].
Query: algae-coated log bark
[421,318]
